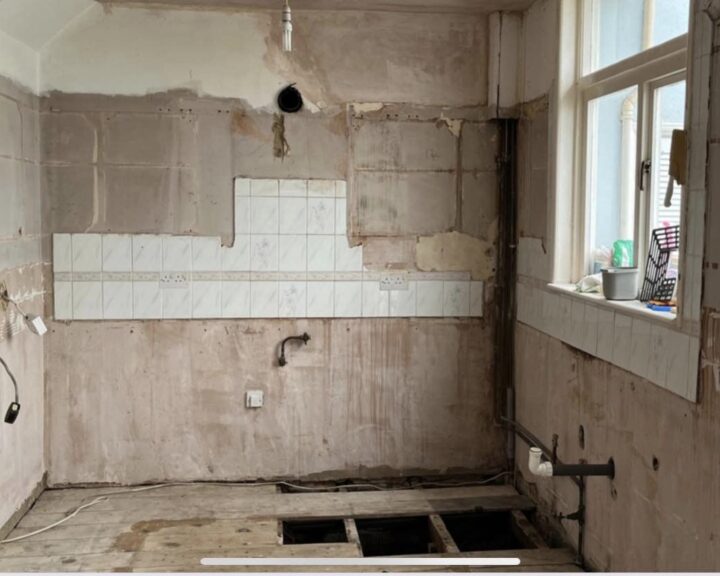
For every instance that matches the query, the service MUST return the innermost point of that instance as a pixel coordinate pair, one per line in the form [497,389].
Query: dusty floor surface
[173,528]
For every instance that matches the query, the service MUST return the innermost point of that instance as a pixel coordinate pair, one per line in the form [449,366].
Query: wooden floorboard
[172,528]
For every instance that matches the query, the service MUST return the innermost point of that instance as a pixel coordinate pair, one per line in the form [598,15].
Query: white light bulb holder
[287,28]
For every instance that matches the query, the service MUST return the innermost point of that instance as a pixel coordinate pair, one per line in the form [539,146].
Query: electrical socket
[174,280]
[394,281]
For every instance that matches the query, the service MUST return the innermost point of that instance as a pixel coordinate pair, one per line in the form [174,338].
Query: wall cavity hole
[581,437]
[477,531]
[395,536]
[313,531]
[655,463]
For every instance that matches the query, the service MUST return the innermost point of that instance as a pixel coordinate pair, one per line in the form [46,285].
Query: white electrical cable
[107,496]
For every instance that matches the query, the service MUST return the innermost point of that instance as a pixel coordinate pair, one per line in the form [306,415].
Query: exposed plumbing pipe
[538,467]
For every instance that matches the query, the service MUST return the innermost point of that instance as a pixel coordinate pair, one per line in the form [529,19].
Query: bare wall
[396,98]
[21,270]
[660,512]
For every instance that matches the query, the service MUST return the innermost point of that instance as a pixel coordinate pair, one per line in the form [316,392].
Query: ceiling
[386,5]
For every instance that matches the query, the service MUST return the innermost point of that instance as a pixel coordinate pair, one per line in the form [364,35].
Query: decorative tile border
[290,259]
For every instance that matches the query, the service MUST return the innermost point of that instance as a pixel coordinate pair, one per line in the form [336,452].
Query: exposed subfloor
[172,528]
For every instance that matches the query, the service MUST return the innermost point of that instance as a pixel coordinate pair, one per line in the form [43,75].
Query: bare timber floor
[172,528]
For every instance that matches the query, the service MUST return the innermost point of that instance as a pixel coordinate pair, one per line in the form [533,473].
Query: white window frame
[650,69]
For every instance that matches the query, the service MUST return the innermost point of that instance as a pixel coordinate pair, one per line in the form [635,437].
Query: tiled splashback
[290,259]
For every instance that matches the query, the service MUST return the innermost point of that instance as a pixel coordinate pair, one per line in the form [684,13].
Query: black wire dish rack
[656,286]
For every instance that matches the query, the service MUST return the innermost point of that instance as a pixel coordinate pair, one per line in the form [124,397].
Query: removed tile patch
[454,251]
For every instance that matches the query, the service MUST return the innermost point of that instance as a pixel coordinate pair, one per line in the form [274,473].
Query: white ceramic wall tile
[320,299]
[677,362]
[264,215]
[375,302]
[477,299]
[237,257]
[147,253]
[264,253]
[657,365]
[290,258]
[297,188]
[117,253]
[403,302]
[292,299]
[236,299]
[320,253]
[242,215]
[176,303]
[577,322]
[206,254]
[605,334]
[264,188]
[177,254]
[147,300]
[62,253]
[86,253]
[348,299]
[456,298]
[341,216]
[207,299]
[292,253]
[293,215]
[321,216]
[63,300]
[590,330]
[87,300]
[640,347]
[429,298]
[264,299]
[117,300]
[622,345]
[242,187]
[340,189]
[325,188]
[347,259]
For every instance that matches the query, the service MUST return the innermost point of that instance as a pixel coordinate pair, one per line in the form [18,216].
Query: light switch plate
[394,281]
[254,399]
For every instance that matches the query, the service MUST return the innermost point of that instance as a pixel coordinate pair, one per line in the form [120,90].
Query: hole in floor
[477,531]
[394,536]
[313,532]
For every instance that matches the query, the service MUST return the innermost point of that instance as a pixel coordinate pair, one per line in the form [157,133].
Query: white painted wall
[18,62]
[135,52]
[540,46]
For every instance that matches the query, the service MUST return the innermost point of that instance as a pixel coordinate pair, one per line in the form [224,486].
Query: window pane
[669,115]
[612,145]
[623,28]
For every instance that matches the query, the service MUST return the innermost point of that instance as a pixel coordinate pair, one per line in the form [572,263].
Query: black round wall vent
[290,100]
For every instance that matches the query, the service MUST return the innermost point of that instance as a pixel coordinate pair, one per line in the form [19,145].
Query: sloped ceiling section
[35,22]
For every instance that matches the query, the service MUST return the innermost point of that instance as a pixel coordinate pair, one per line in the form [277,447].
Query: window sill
[630,307]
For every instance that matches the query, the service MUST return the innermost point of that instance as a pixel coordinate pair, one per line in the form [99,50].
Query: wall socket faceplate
[394,281]
[174,280]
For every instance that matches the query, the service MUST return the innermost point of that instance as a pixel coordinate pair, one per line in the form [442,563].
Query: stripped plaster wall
[660,512]
[135,141]
[22,271]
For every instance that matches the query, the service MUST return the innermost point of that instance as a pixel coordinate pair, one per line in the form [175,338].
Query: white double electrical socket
[394,281]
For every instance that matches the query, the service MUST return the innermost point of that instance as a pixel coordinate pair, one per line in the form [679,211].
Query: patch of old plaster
[364,107]
[453,251]
[453,124]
